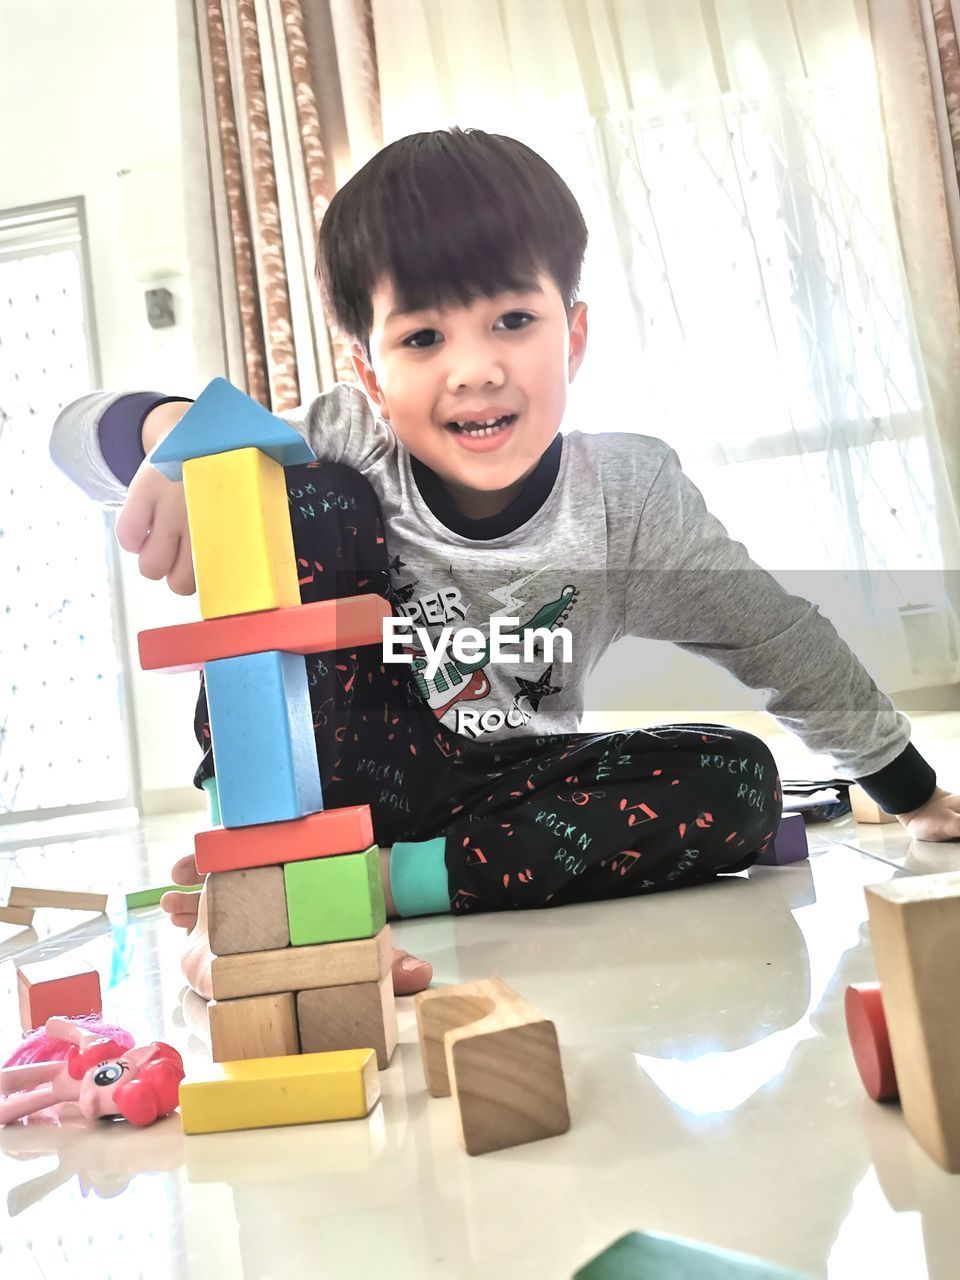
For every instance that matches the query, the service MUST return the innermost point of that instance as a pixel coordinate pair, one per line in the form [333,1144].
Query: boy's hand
[182,908]
[938,819]
[153,522]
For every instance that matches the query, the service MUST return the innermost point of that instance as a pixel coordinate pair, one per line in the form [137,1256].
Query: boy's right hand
[153,521]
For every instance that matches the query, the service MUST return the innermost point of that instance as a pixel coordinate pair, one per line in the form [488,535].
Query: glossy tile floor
[711,1088]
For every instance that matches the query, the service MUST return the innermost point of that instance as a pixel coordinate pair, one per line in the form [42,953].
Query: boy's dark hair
[448,216]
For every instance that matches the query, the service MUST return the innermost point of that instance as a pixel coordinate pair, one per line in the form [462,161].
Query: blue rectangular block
[264,750]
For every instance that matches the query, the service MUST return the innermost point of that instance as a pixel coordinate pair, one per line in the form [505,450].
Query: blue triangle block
[222,419]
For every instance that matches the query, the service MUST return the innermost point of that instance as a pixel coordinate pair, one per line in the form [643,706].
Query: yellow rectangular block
[261,1092]
[243,557]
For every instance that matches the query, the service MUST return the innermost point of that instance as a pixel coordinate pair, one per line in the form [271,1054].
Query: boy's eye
[514,315]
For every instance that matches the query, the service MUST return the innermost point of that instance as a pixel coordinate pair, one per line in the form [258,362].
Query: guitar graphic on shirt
[459,681]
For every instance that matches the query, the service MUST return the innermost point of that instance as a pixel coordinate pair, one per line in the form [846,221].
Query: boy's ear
[578,338]
[368,379]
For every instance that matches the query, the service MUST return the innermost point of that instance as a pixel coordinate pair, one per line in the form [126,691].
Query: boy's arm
[691,584]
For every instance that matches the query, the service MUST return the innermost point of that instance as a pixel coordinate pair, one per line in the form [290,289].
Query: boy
[460,502]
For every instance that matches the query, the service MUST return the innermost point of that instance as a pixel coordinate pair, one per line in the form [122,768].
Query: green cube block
[335,898]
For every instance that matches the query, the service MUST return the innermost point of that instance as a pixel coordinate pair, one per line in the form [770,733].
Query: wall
[93,87]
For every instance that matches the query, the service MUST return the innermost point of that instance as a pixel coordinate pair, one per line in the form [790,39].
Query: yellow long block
[243,557]
[260,1092]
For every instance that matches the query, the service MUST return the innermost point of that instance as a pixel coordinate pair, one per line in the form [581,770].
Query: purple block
[788,845]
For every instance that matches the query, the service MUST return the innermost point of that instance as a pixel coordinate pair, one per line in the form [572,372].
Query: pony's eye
[108,1074]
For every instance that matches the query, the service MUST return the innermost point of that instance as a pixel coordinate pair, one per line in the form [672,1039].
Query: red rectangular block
[318,835]
[63,987]
[305,628]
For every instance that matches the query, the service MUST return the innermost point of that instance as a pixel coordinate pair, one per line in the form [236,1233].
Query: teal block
[335,898]
[221,419]
[264,750]
[643,1255]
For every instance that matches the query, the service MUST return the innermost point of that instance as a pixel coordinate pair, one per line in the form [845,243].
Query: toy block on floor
[16,915]
[264,749]
[915,929]
[322,626]
[318,835]
[499,1058]
[260,1092]
[223,418]
[255,1027]
[61,898]
[788,845]
[358,1016]
[645,1255]
[870,1040]
[240,534]
[301,968]
[864,809]
[333,899]
[247,911]
[60,987]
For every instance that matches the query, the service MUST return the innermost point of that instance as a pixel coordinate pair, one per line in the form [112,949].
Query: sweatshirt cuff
[418,877]
[120,431]
[904,784]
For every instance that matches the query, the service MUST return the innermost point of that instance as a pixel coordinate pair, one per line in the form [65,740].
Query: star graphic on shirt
[396,563]
[535,692]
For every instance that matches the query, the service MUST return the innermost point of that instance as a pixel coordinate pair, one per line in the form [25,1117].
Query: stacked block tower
[302,951]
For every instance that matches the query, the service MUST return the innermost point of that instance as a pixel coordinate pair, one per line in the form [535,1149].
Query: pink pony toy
[96,1067]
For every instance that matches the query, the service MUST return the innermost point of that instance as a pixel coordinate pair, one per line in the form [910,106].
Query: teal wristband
[418,877]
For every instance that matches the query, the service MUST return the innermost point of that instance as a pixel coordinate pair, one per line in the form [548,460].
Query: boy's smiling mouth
[480,437]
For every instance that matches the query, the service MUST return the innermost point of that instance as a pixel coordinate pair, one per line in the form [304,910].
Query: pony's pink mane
[39,1047]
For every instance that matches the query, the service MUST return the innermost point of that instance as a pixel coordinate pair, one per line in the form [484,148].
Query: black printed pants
[529,822]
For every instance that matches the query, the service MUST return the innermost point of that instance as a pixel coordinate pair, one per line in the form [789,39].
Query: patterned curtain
[289,103]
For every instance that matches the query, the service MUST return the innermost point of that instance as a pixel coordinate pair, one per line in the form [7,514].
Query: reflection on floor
[711,1089]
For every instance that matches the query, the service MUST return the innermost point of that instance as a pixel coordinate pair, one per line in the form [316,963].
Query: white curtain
[744,276]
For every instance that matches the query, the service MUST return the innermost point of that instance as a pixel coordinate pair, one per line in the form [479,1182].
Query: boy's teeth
[480,428]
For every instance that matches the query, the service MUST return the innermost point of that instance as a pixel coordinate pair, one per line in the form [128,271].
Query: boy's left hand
[938,819]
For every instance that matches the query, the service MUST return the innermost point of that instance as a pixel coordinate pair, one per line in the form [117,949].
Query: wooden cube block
[915,928]
[865,809]
[247,911]
[264,750]
[318,835]
[240,534]
[223,418]
[331,899]
[499,1058]
[255,1027]
[301,968]
[306,628]
[61,987]
[358,1016]
[302,1089]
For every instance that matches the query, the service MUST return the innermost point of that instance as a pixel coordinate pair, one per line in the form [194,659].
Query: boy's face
[516,353]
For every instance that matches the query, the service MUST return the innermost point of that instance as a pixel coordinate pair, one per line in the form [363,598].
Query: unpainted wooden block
[247,911]
[499,1058]
[318,835]
[254,1027]
[60,987]
[301,1089]
[264,749]
[224,418]
[64,899]
[301,968]
[16,915]
[915,928]
[319,627]
[865,809]
[331,899]
[240,534]
[358,1016]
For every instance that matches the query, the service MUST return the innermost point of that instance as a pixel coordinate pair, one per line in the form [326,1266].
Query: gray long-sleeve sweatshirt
[608,538]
